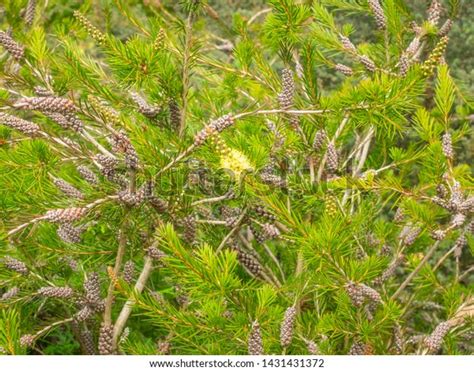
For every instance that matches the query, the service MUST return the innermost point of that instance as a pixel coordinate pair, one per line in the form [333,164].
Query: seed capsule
[255,343]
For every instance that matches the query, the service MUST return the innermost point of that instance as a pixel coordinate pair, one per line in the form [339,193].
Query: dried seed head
[434,12]
[163,347]
[84,314]
[332,158]
[403,65]
[438,234]
[215,126]
[175,113]
[467,206]
[345,70]
[399,215]
[313,348]
[347,44]
[367,63]
[272,179]
[68,189]
[447,146]
[270,231]
[88,175]
[69,233]
[155,253]
[42,91]
[390,271]
[379,14]
[121,143]
[358,348]
[92,289]
[16,50]
[190,227]
[27,340]
[445,28]
[47,105]
[255,343]
[70,122]
[457,221]
[87,342]
[146,109]
[10,294]
[93,31]
[409,235]
[262,212]
[461,241]
[129,271]
[355,293]
[320,140]
[397,340]
[287,327]
[15,265]
[19,124]
[435,340]
[55,292]
[372,295]
[248,261]
[105,339]
[65,215]
[30,12]
[285,98]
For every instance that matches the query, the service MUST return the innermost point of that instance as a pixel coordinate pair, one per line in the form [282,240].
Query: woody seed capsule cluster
[367,63]
[121,143]
[461,241]
[287,327]
[70,122]
[255,343]
[55,292]
[447,146]
[68,189]
[19,124]
[155,253]
[270,231]
[69,233]
[320,140]
[105,339]
[15,265]
[175,113]
[347,44]
[65,215]
[87,174]
[409,234]
[27,340]
[434,341]
[16,50]
[403,65]
[30,12]
[93,31]
[10,294]
[345,70]
[390,271]
[378,14]
[285,98]
[41,91]
[88,342]
[215,126]
[434,12]
[189,224]
[445,28]
[144,107]
[128,271]
[47,105]
[332,158]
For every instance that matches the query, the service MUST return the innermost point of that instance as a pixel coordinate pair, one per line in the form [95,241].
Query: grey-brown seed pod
[355,293]
[69,233]
[255,342]
[26,127]
[434,12]
[403,65]
[47,105]
[445,28]
[27,340]
[285,98]
[10,294]
[345,70]
[16,50]
[105,339]
[434,341]
[287,327]
[175,113]
[88,175]
[379,14]
[30,12]
[461,241]
[65,215]
[347,44]
[68,189]
[270,231]
[128,271]
[15,265]
[146,109]
[367,63]
[447,146]
[55,292]
[320,140]
[69,122]
[332,158]
[155,253]
[358,349]
[88,342]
